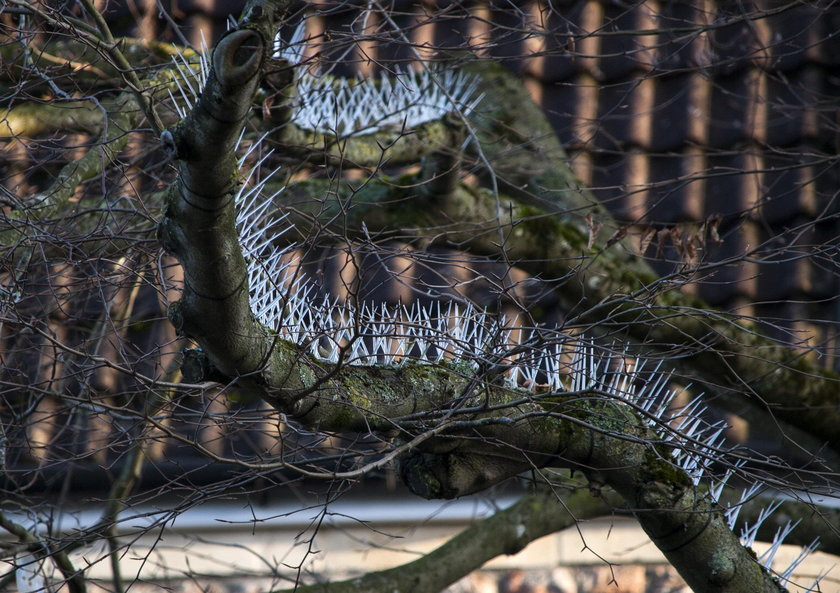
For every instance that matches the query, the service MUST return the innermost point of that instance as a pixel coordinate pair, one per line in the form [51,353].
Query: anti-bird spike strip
[283,299]
[350,108]
[404,99]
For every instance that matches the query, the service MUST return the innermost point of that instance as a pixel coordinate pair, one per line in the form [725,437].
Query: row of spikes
[749,531]
[695,447]
[403,99]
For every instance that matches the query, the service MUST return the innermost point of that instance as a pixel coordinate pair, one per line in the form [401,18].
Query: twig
[74,578]
[124,66]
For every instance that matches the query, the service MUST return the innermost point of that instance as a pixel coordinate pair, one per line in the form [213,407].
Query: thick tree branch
[199,222]
[505,533]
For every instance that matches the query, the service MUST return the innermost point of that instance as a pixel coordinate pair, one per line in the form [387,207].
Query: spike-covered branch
[468,406]
[468,428]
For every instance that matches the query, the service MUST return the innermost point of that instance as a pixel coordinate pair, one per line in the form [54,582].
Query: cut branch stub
[238,57]
[213,126]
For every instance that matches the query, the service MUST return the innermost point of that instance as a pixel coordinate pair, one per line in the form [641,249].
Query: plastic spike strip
[749,533]
[766,559]
[292,50]
[284,299]
[404,99]
[189,78]
[344,107]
